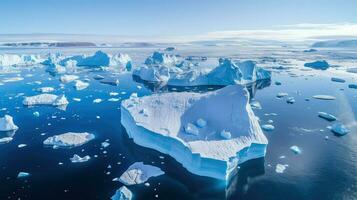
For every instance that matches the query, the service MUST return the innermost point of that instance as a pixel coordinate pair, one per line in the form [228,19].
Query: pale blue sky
[166,17]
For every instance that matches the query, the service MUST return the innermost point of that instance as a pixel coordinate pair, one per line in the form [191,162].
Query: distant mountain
[336,43]
[49,44]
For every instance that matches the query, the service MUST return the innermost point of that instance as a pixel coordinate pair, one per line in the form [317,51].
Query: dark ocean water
[326,169]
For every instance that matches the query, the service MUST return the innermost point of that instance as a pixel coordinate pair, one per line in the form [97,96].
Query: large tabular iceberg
[172,123]
[170,70]
[45,99]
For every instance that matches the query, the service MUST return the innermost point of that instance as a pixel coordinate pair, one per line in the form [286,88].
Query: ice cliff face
[171,71]
[173,124]
[14,59]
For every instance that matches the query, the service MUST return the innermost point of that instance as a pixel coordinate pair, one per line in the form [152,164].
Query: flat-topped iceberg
[45,99]
[168,70]
[138,173]
[69,140]
[320,64]
[7,123]
[100,59]
[205,150]
[77,159]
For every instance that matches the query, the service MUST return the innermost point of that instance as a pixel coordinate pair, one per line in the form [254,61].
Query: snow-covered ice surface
[203,151]
[45,99]
[68,140]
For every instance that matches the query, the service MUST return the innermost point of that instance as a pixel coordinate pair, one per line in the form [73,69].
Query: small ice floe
[110,81]
[7,123]
[21,145]
[290,100]
[113,99]
[201,123]
[270,121]
[277,83]
[282,94]
[191,129]
[280,168]
[98,77]
[295,149]
[320,64]
[339,129]
[139,173]
[97,100]
[123,193]
[69,140]
[45,99]
[80,85]
[77,159]
[113,93]
[339,80]
[36,114]
[327,116]
[226,134]
[105,144]
[68,78]
[12,79]
[324,97]
[255,105]
[268,127]
[45,89]
[5,140]
[23,174]
[77,99]
[309,50]
[352,86]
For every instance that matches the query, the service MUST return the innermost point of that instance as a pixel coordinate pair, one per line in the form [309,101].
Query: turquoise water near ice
[326,169]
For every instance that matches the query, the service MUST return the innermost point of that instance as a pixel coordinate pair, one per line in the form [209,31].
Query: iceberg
[336,43]
[324,97]
[100,59]
[45,99]
[123,193]
[23,174]
[320,64]
[280,168]
[208,153]
[268,127]
[295,149]
[77,159]
[80,85]
[138,173]
[339,80]
[68,78]
[14,59]
[69,140]
[166,69]
[7,123]
[5,140]
[46,89]
[339,129]
[352,86]
[327,116]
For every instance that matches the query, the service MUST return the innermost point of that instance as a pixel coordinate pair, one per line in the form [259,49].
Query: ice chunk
[352,70]
[324,97]
[46,89]
[23,174]
[191,129]
[290,100]
[80,85]
[295,149]
[255,105]
[97,100]
[201,123]
[327,116]
[268,127]
[280,168]
[353,86]
[7,123]
[282,94]
[12,79]
[69,139]
[226,134]
[105,144]
[138,173]
[123,193]
[339,80]
[320,64]
[68,78]
[45,99]
[5,140]
[77,159]
[207,153]
[339,129]
[21,145]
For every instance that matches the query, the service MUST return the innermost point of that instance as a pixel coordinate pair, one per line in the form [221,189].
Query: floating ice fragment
[282,94]
[268,127]
[46,89]
[69,140]
[36,114]
[5,140]
[80,85]
[339,80]
[295,149]
[77,159]
[105,144]
[139,173]
[352,86]
[97,100]
[21,145]
[7,123]
[324,97]
[226,134]
[201,122]
[23,174]
[68,78]
[191,129]
[45,99]
[290,100]
[320,64]
[123,193]
[255,105]
[339,129]
[280,168]
[327,116]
